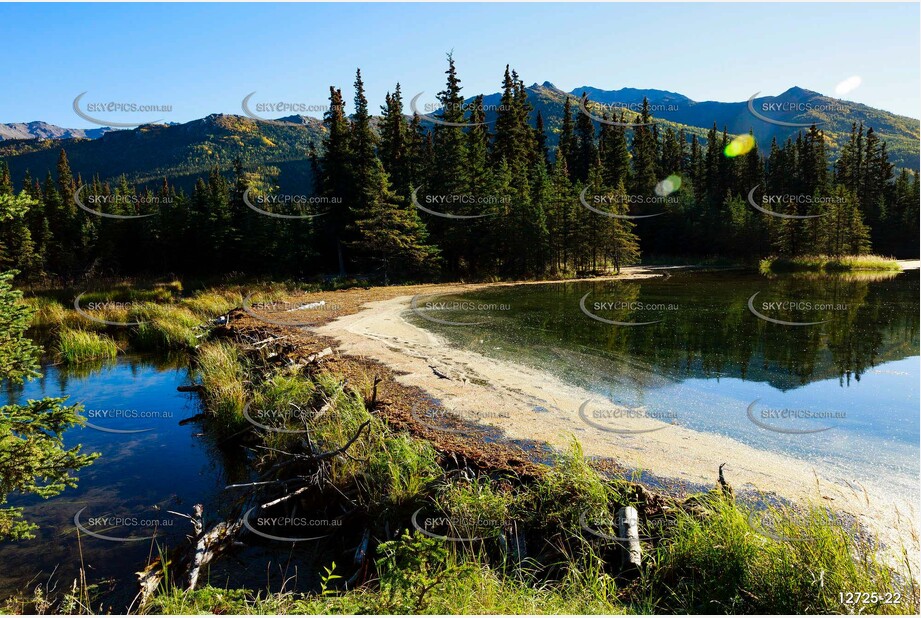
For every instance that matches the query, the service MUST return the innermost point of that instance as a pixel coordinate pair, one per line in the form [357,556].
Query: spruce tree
[336,179]
[644,154]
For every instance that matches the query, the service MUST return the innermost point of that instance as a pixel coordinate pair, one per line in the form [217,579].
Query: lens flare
[669,185]
[739,145]
[850,84]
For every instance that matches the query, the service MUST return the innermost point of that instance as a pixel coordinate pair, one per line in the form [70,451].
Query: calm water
[709,363]
[137,478]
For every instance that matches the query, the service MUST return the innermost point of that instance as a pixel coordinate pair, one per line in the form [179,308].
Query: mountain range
[182,152]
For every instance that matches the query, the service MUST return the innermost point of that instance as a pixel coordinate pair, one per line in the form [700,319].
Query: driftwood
[629,529]
[725,487]
[198,557]
[321,456]
[258,345]
[190,388]
[204,546]
[313,358]
[438,373]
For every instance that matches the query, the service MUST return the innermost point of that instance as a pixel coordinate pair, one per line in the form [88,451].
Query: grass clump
[47,312]
[77,345]
[476,508]
[223,376]
[165,327]
[211,303]
[400,470]
[571,489]
[828,263]
[719,562]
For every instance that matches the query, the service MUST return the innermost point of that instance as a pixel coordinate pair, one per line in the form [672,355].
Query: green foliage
[829,263]
[77,346]
[222,373]
[721,563]
[33,459]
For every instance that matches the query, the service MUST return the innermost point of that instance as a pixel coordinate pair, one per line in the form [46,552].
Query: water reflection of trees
[873,319]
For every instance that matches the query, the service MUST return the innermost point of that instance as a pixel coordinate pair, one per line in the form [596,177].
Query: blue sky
[204,58]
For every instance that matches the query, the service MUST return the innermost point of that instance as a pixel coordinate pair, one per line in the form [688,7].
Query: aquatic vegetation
[164,327]
[829,263]
[77,345]
[222,375]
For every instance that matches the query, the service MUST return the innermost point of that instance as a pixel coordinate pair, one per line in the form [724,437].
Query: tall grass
[828,263]
[720,563]
[165,327]
[76,345]
[223,376]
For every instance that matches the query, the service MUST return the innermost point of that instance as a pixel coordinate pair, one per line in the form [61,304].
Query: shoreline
[468,383]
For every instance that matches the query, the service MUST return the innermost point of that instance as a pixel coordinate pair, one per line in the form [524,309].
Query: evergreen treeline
[515,208]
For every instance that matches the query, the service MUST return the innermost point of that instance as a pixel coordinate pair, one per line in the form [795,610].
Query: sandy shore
[529,404]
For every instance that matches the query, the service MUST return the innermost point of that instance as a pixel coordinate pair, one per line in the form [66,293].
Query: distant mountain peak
[38,129]
[544,86]
[797,92]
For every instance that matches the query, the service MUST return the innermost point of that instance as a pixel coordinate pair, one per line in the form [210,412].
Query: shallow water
[842,393]
[149,464]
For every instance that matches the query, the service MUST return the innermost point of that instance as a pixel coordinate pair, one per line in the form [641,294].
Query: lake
[819,367]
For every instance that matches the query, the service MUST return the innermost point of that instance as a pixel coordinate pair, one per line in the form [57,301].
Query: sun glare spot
[739,145]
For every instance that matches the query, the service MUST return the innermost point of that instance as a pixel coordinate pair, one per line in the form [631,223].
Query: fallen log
[629,530]
[185,563]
